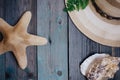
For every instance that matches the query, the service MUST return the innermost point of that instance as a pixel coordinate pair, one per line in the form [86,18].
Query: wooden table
[66,48]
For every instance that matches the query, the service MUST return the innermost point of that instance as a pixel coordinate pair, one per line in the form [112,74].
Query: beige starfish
[16,39]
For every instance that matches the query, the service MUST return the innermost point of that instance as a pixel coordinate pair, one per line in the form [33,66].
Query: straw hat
[100,21]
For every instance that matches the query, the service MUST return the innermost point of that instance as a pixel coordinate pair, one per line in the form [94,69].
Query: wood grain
[11,66]
[2,57]
[66,49]
[52,23]
[80,47]
[13,11]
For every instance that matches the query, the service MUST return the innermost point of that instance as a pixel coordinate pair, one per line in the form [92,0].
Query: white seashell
[85,65]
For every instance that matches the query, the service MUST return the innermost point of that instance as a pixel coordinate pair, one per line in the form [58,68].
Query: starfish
[16,39]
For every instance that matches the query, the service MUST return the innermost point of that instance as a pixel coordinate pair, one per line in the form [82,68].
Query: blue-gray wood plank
[80,47]
[66,48]
[52,24]
[2,57]
[11,11]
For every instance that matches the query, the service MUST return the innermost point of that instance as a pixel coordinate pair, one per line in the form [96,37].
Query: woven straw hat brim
[95,28]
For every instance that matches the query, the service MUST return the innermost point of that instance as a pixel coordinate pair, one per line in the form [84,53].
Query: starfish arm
[4,26]
[2,49]
[36,40]
[23,22]
[20,54]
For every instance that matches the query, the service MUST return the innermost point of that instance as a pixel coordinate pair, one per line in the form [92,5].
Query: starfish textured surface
[16,39]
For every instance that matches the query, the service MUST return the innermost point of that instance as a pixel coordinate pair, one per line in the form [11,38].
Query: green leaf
[85,3]
[72,5]
[78,4]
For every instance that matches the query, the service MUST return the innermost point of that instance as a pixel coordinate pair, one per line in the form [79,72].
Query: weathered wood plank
[31,70]
[105,49]
[52,24]
[11,67]
[2,57]
[80,47]
[13,11]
